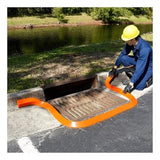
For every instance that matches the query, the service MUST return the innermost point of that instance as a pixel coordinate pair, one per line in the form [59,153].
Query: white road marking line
[26,145]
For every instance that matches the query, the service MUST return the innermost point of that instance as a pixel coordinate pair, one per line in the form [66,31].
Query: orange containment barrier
[90,121]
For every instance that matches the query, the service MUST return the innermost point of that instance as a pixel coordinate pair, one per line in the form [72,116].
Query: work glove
[113,72]
[129,87]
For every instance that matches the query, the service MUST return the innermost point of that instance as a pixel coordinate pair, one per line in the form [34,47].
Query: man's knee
[141,85]
[127,61]
[124,60]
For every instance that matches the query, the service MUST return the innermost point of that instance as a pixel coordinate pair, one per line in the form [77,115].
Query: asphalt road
[130,131]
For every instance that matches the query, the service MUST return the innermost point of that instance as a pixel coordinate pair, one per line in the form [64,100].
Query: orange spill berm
[88,122]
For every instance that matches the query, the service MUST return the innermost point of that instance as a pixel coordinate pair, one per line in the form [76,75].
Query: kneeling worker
[140,63]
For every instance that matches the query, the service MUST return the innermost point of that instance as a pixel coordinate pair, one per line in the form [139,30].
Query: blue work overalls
[142,59]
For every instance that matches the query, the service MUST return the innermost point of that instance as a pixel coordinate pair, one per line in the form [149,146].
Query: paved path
[130,131]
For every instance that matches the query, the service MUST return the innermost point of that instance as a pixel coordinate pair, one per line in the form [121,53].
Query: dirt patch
[149,22]
[71,66]
[31,26]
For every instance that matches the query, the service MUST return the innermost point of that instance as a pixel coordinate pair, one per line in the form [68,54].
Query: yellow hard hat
[130,32]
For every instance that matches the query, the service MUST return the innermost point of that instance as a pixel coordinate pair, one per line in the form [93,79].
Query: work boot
[149,82]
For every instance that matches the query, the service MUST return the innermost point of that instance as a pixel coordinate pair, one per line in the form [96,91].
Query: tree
[106,14]
[111,15]
[72,10]
[142,11]
[58,13]
[14,12]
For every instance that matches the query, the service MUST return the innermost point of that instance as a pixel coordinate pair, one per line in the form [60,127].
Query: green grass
[37,20]
[79,18]
[139,19]
[28,71]
[47,20]
[26,20]
[148,37]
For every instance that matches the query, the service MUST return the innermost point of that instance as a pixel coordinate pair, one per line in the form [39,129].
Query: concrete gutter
[39,93]
[30,120]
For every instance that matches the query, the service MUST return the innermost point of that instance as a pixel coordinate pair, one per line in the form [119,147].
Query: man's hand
[113,72]
[129,88]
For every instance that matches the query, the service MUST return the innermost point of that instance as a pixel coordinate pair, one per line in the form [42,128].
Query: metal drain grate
[86,104]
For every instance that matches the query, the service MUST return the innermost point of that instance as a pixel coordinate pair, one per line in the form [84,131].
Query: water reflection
[44,39]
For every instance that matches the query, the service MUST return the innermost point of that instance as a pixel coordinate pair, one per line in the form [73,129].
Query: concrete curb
[38,92]
[32,92]
[30,120]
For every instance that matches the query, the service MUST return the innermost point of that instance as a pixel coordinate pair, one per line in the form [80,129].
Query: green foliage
[125,12]
[107,14]
[73,11]
[142,11]
[111,15]
[58,13]
[14,12]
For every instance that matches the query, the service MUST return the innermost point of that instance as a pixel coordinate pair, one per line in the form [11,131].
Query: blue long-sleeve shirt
[143,55]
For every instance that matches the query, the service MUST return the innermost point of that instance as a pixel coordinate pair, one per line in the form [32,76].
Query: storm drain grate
[86,104]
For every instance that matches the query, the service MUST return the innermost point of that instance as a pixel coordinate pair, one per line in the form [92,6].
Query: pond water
[28,41]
